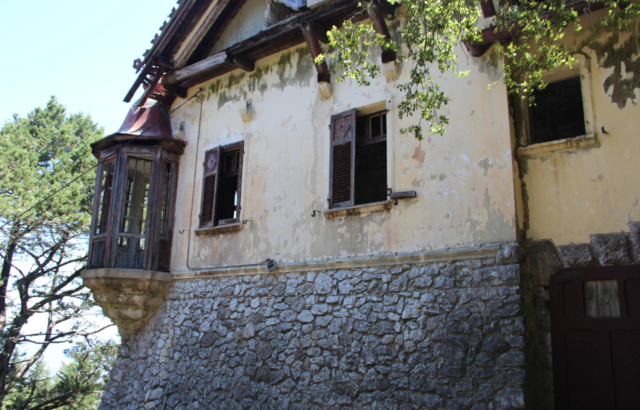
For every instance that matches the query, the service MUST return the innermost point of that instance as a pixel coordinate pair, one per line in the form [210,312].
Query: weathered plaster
[248,22]
[572,194]
[286,173]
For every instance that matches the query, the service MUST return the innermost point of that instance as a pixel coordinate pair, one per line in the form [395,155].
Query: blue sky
[81,51]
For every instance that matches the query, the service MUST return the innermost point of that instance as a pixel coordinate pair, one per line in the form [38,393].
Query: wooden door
[595,336]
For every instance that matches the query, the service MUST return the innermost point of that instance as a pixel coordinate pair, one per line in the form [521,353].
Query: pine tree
[43,245]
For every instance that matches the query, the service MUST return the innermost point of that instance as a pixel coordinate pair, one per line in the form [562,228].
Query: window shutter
[343,155]
[209,187]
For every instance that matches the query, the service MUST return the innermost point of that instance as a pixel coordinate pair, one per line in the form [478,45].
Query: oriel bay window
[358,169]
[135,196]
[221,185]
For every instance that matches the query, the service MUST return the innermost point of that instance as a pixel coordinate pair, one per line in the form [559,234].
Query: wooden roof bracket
[490,36]
[377,13]
[488,9]
[314,33]
[178,77]
[242,62]
[150,86]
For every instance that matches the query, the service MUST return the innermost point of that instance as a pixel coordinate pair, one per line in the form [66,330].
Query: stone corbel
[313,33]
[377,12]
[128,297]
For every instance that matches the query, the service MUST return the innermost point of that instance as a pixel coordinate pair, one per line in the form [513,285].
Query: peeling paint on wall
[567,196]
[287,166]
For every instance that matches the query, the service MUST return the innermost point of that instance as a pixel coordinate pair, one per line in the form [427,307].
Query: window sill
[357,210]
[554,147]
[217,230]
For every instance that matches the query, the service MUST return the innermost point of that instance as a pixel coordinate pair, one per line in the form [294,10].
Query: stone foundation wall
[436,336]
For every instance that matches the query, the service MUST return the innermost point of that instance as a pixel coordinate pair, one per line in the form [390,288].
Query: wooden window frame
[529,149]
[157,250]
[334,177]
[214,222]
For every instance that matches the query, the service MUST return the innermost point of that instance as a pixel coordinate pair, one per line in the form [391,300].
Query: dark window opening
[358,159]
[371,173]
[558,112]
[371,159]
[226,211]
[221,186]
[228,200]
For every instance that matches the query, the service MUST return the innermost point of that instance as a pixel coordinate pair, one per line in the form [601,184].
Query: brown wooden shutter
[343,159]
[209,187]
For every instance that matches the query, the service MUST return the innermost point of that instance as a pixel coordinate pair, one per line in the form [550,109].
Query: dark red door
[595,337]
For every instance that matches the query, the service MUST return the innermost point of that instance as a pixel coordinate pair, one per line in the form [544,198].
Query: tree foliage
[434,33]
[43,244]
[78,385]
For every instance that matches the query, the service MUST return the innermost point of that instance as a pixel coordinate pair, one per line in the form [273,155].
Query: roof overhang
[179,53]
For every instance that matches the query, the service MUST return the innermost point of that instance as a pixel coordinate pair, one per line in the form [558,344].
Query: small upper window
[358,159]
[221,186]
[558,112]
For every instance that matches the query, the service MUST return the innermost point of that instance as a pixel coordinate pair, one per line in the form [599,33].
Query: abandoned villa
[277,243]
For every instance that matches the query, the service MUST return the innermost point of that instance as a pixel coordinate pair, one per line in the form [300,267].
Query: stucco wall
[571,195]
[464,179]
[248,22]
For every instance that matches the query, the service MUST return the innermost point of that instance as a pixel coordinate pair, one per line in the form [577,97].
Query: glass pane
[361,125]
[130,250]
[375,126]
[136,196]
[105,197]
[384,124]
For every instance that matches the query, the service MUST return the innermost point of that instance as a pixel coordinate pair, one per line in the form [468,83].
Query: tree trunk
[8,347]
[4,277]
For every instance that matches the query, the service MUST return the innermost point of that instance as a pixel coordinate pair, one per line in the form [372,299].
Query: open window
[558,112]
[221,186]
[358,159]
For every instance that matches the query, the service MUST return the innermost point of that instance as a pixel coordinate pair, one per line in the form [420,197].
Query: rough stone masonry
[435,336]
